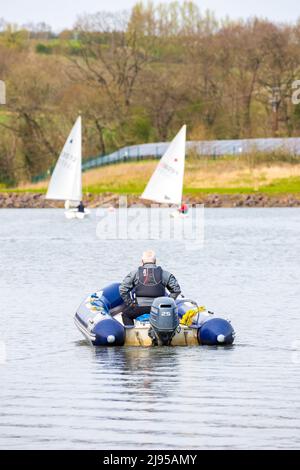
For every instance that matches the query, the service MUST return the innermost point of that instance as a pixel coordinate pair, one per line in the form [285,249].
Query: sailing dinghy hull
[75,214]
[178,215]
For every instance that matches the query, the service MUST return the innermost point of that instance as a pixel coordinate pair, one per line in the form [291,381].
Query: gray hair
[149,256]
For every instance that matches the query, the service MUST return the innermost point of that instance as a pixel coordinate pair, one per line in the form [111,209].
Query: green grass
[130,188]
[278,186]
[4,117]
[283,186]
[4,189]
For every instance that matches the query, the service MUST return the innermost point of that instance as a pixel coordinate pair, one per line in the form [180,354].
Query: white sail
[166,183]
[65,183]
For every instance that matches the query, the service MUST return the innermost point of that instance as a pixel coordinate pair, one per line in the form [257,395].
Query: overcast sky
[63,13]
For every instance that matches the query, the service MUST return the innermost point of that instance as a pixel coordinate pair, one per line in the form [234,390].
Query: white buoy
[220,338]
[111,339]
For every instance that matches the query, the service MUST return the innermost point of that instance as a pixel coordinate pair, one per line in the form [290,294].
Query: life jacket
[184,209]
[80,207]
[150,282]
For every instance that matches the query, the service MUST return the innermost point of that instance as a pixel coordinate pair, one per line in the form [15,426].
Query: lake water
[56,392]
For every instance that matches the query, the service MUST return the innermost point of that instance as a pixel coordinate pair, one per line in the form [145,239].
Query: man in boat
[148,282]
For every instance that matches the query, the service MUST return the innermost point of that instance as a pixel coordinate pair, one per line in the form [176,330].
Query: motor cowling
[164,320]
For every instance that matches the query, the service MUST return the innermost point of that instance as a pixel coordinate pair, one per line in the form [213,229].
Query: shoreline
[37,201]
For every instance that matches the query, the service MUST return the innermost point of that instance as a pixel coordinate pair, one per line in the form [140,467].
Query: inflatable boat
[170,323]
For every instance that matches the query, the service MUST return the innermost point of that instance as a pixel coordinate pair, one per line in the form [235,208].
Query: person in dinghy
[81,207]
[148,282]
[183,209]
[75,206]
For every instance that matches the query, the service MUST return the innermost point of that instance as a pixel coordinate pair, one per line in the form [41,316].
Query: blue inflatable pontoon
[177,323]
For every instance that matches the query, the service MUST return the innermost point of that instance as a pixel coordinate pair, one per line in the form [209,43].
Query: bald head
[149,256]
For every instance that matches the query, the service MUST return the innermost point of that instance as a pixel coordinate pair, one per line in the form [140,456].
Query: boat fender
[216,331]
[109,332]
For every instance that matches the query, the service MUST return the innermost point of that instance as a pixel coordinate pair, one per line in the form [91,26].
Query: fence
[209,148]
[213,148]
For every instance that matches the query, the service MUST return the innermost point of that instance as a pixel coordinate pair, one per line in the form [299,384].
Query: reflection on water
[57,392]
[146,368]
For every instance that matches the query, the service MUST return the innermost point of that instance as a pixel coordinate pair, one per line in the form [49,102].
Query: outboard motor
[164,321]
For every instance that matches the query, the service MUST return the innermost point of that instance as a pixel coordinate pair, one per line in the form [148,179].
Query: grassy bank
[205,176]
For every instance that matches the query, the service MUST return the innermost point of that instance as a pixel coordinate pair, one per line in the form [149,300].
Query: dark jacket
[132,280]
[80,207]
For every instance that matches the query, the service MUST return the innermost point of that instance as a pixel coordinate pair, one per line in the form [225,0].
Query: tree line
[137,76]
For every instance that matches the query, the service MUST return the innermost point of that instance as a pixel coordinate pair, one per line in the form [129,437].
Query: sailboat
[166,183]
[65,183]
